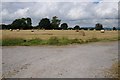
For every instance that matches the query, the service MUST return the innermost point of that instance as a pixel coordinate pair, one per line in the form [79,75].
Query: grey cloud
[81,13]
[60,0]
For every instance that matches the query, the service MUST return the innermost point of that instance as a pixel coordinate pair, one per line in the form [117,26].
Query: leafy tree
[29,22]
[114,28]
[3,26]
[18,23]
[55,22]
[23,23]
[64,26]
[77,27]
[98,26]
[44,23]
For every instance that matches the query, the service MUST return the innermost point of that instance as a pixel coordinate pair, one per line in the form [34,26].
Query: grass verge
[50,41]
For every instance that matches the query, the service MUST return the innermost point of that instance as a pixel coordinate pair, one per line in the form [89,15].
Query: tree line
[46,23]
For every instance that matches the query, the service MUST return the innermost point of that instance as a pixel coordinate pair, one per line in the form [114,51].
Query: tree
[44,23]
[29,22]
[77,27]
[23,23]
[114,28]
[55,22]
[3,26]
[18,23]
[64,26]
[98,26]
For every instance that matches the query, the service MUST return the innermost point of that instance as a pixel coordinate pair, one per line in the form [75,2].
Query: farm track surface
[71,61]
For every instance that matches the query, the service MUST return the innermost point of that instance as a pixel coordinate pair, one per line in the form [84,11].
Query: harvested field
[46,34]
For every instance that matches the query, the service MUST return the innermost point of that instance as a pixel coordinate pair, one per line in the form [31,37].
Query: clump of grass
[64,41]
[92,40]
[53,41]
[77,41]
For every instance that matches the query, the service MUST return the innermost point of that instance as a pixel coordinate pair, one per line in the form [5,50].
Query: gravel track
[71,61]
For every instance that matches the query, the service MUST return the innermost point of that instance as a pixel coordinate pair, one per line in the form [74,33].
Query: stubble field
[46,34]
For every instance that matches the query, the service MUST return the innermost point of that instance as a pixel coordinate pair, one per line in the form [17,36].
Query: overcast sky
[77,12]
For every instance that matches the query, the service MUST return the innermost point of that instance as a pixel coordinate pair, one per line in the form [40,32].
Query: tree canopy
[114,28]
[44,23]
[64,26]
[77,27]
[23,23]
[98,26]
[55,22]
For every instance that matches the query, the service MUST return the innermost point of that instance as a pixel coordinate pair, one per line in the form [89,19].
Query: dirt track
[73,61]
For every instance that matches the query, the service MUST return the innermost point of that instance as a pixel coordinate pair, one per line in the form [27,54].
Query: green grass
[53,41]
[32,42]
[50,41]
[64,41]
[0,42]
[12,42]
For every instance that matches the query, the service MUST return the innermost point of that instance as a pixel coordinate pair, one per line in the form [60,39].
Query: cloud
[107,10]
[21,12]
[81,13]
[60,0]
